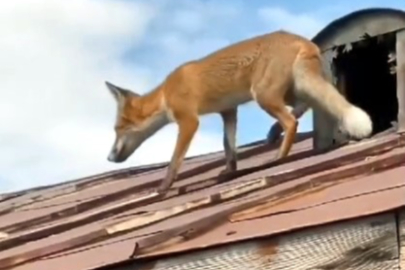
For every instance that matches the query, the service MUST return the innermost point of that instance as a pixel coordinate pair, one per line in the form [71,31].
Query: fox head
[133,124]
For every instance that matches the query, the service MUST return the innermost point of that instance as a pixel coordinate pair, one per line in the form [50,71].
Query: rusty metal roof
[113,217]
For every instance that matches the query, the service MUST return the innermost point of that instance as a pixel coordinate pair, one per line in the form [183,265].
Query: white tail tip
[356,123]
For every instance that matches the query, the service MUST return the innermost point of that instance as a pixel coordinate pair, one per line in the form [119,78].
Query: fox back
[224,79]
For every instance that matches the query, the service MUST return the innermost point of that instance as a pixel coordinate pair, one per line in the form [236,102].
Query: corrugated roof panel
[101,222]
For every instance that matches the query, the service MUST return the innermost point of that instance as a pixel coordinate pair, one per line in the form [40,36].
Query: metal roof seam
[336,177]
[324,203]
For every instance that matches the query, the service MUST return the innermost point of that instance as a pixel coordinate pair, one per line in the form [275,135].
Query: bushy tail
[314,89]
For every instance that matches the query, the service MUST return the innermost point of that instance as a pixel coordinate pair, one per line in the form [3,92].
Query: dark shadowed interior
[368,82]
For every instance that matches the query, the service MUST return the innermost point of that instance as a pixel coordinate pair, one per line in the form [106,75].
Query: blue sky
[56,114]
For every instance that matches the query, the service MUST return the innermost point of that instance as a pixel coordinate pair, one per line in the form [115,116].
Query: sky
[56,114]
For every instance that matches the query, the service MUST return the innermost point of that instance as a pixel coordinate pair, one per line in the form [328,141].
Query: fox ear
[119,92]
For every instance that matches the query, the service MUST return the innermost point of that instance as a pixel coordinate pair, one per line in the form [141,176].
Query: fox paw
[226,171]
[162,189]
[270,160]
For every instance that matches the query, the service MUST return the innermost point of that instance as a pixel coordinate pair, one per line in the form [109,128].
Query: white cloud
[56,114]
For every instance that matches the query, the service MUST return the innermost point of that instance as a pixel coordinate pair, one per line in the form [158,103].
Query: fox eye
[123,126]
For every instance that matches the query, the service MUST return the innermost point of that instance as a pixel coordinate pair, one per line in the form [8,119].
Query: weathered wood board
[324,127]
[400,52]
[365,244]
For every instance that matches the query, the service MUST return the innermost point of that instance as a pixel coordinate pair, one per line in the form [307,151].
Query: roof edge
[146,257]
[327,37]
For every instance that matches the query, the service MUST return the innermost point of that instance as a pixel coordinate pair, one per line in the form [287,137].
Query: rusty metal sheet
[368,203]
[51,229]
[329,193]
[41,194]
[282,171]
[77,201]
[302,166]
[356,207]
[395,182]
[109,193]
[36,195]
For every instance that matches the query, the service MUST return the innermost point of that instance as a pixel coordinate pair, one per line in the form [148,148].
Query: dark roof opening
[367,81]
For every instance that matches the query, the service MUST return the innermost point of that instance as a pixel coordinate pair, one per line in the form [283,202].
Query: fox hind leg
[276,129]
[271,100]
[229,118]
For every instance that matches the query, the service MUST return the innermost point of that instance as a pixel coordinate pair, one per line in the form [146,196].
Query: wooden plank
[156,216]
[369,243]
[341,83]
[324,126]
[3,235]
[400,52]
[402,239]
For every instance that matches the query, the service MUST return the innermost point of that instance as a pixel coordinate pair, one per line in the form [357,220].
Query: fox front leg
[188,126]
[229,119]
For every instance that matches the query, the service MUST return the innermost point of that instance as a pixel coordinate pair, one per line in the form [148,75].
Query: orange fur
[275,70]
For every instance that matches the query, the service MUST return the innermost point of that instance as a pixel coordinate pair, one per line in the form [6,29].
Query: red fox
[274,70]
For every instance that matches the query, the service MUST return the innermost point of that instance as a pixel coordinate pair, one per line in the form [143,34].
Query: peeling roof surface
[102,220]
[350,28]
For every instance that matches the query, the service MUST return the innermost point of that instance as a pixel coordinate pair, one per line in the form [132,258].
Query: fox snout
[116,154]
[124,146]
